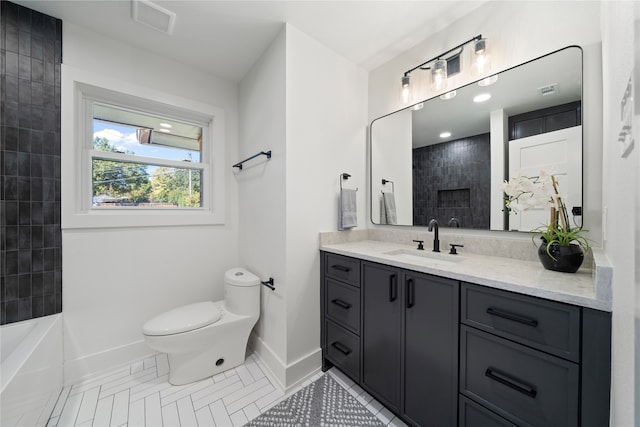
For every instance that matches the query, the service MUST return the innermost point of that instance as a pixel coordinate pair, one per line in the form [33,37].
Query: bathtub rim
[19,356]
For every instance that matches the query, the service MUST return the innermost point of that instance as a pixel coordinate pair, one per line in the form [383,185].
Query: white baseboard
[287,376]
[81,368]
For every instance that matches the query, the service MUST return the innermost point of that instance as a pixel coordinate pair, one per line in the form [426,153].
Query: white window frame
[80,90]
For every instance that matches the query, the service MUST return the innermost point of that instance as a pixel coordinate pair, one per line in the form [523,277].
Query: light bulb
[482,64]
[405,91]
[439,75]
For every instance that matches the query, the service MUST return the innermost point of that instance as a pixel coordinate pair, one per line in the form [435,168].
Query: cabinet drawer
[546,325]
[524,385]
[342,268]
[343,305]
[474,415]
[343,349]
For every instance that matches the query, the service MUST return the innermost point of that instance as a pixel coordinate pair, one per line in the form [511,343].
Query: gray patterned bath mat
[322,403]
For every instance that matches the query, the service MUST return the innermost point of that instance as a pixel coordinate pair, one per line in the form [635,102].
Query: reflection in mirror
[446,157]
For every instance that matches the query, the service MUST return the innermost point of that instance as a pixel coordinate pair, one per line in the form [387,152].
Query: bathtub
[30,370]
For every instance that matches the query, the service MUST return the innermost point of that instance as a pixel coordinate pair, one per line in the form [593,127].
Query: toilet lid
[183,319]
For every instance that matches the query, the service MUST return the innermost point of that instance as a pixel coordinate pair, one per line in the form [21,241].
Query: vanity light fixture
[482,97]
[439,68]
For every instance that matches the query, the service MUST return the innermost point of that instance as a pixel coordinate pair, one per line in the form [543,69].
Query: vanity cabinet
[439,352]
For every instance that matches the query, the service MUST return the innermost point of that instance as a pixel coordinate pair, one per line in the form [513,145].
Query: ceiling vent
[548,89]
[152,15]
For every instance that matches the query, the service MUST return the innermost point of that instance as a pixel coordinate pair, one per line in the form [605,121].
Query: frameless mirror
[446,158]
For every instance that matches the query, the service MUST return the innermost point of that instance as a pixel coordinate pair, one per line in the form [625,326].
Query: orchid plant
[525,192]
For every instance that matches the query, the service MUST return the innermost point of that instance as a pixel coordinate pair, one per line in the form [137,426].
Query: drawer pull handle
[341,348]
[511,382]
[411,296]
[393,287]
[341,268]
[341,303]
[511,316]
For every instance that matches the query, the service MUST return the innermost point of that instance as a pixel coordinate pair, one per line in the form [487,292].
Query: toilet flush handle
[269,284]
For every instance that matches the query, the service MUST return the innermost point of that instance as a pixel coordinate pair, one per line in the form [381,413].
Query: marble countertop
[583,288]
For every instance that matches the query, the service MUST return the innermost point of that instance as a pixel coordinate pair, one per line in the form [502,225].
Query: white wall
[261,186]
[518,32]
[620,202]
[116,279]
[308,105]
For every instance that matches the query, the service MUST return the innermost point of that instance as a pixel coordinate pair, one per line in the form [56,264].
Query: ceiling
[226,38]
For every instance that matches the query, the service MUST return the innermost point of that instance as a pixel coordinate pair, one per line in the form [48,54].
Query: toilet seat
[183,319]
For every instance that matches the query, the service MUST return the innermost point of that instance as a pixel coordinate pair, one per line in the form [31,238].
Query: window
[139,160]
[133,156]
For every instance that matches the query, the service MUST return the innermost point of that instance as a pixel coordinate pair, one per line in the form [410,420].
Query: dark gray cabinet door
[430,368]
[381,327]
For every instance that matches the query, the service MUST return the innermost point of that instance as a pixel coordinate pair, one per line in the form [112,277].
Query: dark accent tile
[11,309]
[24,116]
[48,190]
[48,147]
[49,119]
[49,27]
[36,162]
[58,260]
[24,40]
[24,164]
[37,306]
[24,19]
[24,140]
[49,236]
[36,24]
[24,188]
[49,75]
[58,190]
[49,260]
[11,114]
[37,237]
[10,138]
[12,89]
[24,89]
[24,237]
[37,287]
[24,67]
[12,41]
[36,190]
[10,163]
[24,215]
[11,288]
[48,283]
[58,303]
[37,70]
[37,214]
[24,261]
[11,238]
[24,309]
[11,212]
[36,46]
[37,138]
[37,117]
[10,188]
[37,94]
[57,282]
[49,304]
[24,285]
[38,260]
[48,46]
[49,212]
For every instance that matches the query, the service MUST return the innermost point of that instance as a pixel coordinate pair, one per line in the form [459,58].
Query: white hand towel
[390,208]
[347,211]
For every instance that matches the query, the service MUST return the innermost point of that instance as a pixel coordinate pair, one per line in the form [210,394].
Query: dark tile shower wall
[452,179]
[31,241]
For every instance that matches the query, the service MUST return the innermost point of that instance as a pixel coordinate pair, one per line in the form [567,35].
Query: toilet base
[222,355]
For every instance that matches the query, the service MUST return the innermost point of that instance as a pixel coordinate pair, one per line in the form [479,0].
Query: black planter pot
[568,259]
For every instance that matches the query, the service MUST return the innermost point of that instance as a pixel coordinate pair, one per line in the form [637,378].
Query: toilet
[206,338]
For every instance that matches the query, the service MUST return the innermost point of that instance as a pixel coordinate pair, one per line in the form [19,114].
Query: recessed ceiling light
[449,95]
[482,97]
[165,130]
[488,81]
[445,134]
[166,125]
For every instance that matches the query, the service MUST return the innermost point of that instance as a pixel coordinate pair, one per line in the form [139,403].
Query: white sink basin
[425,257]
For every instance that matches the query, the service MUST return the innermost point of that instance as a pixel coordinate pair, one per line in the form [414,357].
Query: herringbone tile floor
[140,395]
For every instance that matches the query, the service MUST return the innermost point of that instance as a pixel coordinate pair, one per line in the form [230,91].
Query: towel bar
[262,153]
[345,176]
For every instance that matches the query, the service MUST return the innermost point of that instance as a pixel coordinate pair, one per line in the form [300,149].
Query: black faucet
[453,222]
[433,226]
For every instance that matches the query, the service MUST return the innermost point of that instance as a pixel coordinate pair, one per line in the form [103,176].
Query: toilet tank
[242,292]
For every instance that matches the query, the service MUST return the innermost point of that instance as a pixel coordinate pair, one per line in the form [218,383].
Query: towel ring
[344,176]
[393,187]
